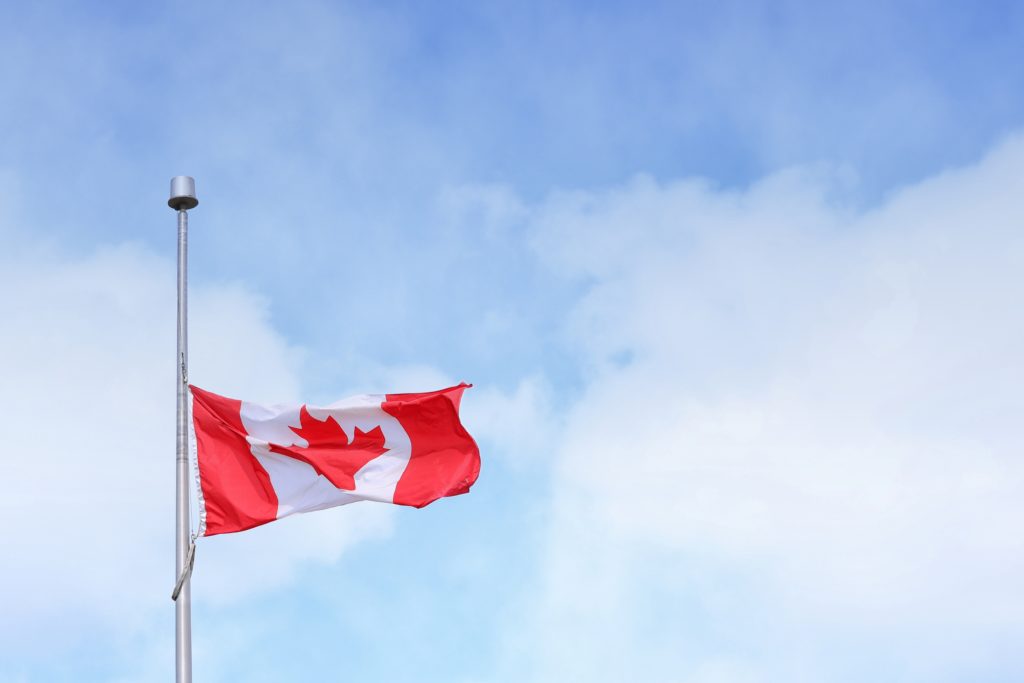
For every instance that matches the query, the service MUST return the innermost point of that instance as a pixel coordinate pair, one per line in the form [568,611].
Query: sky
[737,284]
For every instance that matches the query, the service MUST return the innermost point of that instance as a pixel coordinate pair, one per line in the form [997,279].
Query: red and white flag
[259,463]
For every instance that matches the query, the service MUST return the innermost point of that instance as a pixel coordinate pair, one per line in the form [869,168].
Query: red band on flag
[445,460]
[236,489]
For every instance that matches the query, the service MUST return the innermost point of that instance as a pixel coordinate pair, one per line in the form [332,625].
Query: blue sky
[737,285]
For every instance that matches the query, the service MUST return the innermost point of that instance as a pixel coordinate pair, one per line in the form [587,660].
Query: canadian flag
[257,463]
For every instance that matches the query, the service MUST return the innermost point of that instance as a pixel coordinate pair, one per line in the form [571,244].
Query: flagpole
[183,198]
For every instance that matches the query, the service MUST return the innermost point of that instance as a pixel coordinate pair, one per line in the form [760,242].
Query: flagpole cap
[183,193]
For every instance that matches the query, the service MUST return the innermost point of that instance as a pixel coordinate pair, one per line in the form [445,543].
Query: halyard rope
[190,556]
[186,571]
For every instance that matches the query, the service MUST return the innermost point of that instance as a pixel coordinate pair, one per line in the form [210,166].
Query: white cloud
[800,436]
[521,424]
[89,404]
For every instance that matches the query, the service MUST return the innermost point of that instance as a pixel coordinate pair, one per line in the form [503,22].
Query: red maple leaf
[330,452]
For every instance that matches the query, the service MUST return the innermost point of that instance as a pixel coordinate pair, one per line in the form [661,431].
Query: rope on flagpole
[194,531]
[186,571]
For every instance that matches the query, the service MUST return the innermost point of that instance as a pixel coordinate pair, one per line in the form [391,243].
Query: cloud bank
[89,372]
[798,452]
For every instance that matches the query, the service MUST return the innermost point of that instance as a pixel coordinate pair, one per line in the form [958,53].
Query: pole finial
[183,193]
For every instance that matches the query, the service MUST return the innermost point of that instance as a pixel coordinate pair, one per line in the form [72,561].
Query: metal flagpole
[183,198]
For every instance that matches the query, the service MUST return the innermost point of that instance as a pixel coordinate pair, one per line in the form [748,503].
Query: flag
[257,463]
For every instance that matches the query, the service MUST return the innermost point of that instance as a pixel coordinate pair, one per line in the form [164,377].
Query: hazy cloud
[800,440]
